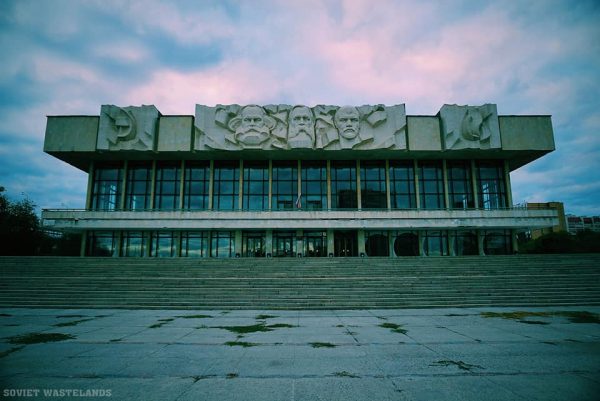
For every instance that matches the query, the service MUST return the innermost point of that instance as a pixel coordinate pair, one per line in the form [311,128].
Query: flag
[298,201]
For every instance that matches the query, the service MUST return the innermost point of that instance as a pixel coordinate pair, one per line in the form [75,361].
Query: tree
[20,232]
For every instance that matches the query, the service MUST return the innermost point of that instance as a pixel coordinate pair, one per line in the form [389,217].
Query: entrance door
[346,243]
[253,244]
[284,244]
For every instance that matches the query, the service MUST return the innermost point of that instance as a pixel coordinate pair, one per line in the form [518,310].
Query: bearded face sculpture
[252,127]
[301,129]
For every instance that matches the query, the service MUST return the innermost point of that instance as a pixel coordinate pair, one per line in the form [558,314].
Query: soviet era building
[277,180]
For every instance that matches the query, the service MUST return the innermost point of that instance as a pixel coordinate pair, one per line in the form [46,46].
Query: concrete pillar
[451,242]
[269,242]
[123,186]
[358,188]
[421,247]
[361,242]
[445,177]
[388,190]
[300,242]
[417,185]
[515,243]
[480,240]
[509,200]
[90,186]
[329,186]
[237,243]
[83,243]
[391,239]
[210,183]
[474,184]
[330,243]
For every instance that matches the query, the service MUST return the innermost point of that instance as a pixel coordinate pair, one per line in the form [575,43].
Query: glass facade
[139,186]
[102,243]
[314,185]
[497,242]
[460,185]
[163,244]
[373,188]
[284,243]
[133,243]
[256,186]
[222,244]
[435,243]
[167,186]
[253,244]
[377,243]
[106,189]
[343,185]
[402,185]
[196,185]
[284,185]
[226,185]
[465,243]
[406,243]
[491,185]
[315,243]
[431,185]
[195,244]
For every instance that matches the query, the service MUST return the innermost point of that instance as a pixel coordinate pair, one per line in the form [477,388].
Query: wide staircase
[300,283]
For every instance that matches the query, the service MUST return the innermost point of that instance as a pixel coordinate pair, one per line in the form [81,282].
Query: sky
[68,57]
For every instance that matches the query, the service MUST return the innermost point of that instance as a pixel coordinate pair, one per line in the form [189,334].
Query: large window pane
[343,185]
[431,185]
[377,243]
[435,243]
[373,190]
[221,244]
[196,185]
[102,243]
[402,183]
[226,185]
[491,185]
[460,185]
[106,188]
[195,244]
[315,243]
[133,243]
[139,181]
[314,185]
[167,187]
[285,185]
[256,186]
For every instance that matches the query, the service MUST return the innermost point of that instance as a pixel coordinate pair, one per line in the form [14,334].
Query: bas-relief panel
[127,128]
[234,127]
[470,127]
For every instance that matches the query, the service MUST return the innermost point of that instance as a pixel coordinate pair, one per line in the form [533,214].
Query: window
[139,181]
[133,243]
[226,185]
[431,181]
[256,186]
[465,243]
[343,185]
[497,242]
[491,185]
[163,244]
[373,190]
[195,187]
[377,243]
[284,243]
[102,243]
[314,185]
[253,244]
[106,189]
[168,185]
[435,243]
[460,186]
[406,244]
[285,185]
[402,185]
[195,244]
[221,244]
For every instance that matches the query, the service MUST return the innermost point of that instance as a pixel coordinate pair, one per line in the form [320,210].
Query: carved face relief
[471,125]
[252,128]
[347,122]
[301,128]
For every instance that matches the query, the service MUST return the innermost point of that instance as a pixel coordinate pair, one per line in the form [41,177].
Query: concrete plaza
[478,354]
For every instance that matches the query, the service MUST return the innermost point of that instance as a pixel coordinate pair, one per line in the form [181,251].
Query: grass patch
[395,328]
[322,345]
[460,364]
[240,344]
[10,351]
[574,317]
[263,317]
[73,323]
[37,338]
[231,375]
[346,374]
[254,328]
[195,316]
[161,322]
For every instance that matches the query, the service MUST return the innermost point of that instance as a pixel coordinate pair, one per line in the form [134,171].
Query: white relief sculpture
[127,128]
[233,127]
[301,128]
[470,127]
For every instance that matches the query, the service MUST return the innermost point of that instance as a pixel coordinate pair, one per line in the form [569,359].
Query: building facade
[280,180]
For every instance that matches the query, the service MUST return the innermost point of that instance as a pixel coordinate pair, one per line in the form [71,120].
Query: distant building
[581,223]
[277,180]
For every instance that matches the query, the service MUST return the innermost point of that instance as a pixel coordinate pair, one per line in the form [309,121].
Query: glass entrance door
[284,243]
[346,243]
[253,244]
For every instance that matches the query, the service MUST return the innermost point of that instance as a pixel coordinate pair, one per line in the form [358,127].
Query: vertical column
[270,183]
[474,183]
[451,242]
[211,173]
[358,189]
[90,186]
[124,185]
[237,243]
[417,186]
[119,245]
[388,190]
[83,243]
[182,184]
[420,239]
[480,239]
[300,181]
[445,177]
[269,242]
[509,200]
[147,239]
[329,187]
[152,184]
[241,186]
[330,242]
[361,242]
[300,242]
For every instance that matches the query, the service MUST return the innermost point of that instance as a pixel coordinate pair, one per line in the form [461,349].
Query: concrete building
[277,180]
[582,223]
[562,220]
